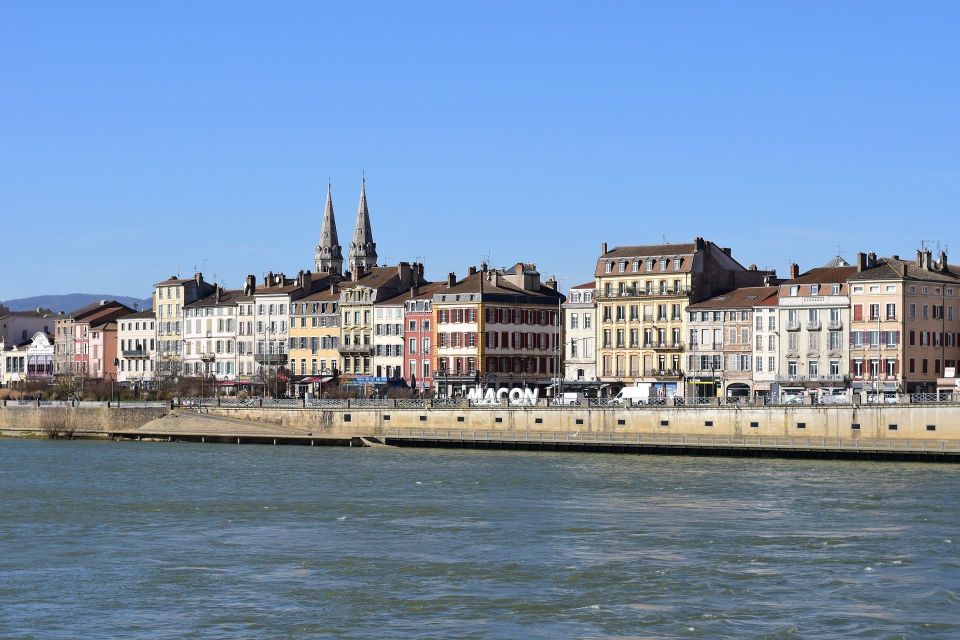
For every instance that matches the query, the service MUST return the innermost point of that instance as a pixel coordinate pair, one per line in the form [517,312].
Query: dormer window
[650,264]
[636,266]
[608,267]
[794,290]
[814,289]
[623,267]
[676,263]
[663,264]
[835,290]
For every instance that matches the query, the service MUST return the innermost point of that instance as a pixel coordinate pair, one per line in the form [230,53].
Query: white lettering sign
[516,396]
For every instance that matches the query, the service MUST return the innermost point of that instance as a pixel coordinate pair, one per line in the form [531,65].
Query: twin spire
[363,250]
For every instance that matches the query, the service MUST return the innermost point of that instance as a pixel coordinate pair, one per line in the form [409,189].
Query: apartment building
[20,326]
[814,320]
[642,293]
[169,298]
[388,338]
[720,343]
[500,327]
[68,342]
[766,341]
[26,361]
[905,325]
[103,360]
[210,335]
[580,334]
[136,348]
[88,344]
[315,338]
[358,297]
[419,336]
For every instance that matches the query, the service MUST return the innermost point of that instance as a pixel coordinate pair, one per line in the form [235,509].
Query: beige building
[642,293]
[814,320]
[169,298]
[905,326]
[720,339]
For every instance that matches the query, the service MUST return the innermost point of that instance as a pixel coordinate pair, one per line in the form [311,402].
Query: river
[148,540]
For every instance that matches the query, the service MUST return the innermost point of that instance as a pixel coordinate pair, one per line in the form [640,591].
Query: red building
[418,346]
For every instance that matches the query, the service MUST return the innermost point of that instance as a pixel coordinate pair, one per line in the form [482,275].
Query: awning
[314,379]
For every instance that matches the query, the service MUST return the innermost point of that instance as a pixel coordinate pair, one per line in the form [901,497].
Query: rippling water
[103,540]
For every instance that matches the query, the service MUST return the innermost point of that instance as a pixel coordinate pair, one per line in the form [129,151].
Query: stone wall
[911,422]
[81,421]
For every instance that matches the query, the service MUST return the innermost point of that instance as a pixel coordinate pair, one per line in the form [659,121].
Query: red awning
[313,379]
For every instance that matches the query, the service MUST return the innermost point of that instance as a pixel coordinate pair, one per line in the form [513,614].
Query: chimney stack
[728,251]
[699,244]
[871,259]
[603,248]
[551,283]
[471,271]
[794,271]
[861,261]
[198,277]
[451,279]
[944,267]
[249,285]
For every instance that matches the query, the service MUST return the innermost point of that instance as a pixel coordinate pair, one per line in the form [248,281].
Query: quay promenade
[905,432]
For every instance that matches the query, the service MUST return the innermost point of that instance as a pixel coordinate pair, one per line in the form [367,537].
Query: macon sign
[517,396]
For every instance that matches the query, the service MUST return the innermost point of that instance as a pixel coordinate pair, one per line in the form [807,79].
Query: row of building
[683,319]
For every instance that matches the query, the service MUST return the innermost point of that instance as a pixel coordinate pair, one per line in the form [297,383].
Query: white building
[136,347]
[210,335]
[580,328]
[766,337]
[388,336]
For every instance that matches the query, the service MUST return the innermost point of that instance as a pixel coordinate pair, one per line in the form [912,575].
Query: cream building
[580,334]
[169,298]
[136,348]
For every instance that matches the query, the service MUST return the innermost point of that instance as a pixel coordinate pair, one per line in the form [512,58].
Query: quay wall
[81,421]
[875,422]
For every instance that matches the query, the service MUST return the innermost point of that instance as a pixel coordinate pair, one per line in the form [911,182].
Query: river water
[138,540]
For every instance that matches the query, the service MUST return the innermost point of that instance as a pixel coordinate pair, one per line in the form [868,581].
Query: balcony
[662,373]
[356,349]
[834,325]
[816,377]
[668,346]
[135,353]
[792,326]
[630,292]
[271,358]
[814,325]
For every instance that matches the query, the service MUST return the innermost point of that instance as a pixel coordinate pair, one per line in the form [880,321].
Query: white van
[639,394]
[570,398]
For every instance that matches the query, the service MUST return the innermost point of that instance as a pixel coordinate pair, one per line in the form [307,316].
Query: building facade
[580,334]
[814,320]
[498,328]
[642,293]
[210,335]
[315,338]
[169,298]
[136,349]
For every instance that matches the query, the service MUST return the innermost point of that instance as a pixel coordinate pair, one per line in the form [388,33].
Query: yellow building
[315,337]
[642,293]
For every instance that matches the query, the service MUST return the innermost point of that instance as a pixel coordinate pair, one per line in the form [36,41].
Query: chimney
[728,251]
[334,289]
[896,257]
[414,291]
[861,261]
[794,271]
[471,271]
[419,271]
[943,262]
[551,283]
[928,260]
[199,278]
[217,291]
[451,279]
[872,259]
[603,248]
[699,244]
[250,285]
[483,266]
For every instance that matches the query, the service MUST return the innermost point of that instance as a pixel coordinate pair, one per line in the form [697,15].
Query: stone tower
[329,257]
[363,250]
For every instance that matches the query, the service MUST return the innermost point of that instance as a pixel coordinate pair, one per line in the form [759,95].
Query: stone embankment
[914,431]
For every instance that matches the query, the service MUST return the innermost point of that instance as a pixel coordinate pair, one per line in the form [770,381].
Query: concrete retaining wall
[86,421]
[909,422]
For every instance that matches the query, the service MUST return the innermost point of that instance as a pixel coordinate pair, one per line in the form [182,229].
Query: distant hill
[69,301]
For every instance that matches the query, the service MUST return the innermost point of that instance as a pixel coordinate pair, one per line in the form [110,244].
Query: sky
[144,139]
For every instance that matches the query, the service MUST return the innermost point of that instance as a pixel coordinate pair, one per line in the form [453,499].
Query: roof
[837,261]
[109,325]
[32,313]
[495,283]
[586,285]
[105,312]
[172,280]
[322,295]
[895,269]
[374,278]
[424,292]
[742,298]
[651,250]
[824,275]
[148,314]
[228,297]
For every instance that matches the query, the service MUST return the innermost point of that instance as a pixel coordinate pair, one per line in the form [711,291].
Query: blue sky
[142,139]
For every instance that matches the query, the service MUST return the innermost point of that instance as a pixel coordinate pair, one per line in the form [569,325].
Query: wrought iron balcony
[662,373]
[792,326]
[356,349]
[814,325]
[834,325]
[135,353]
[271,358]
[816,377]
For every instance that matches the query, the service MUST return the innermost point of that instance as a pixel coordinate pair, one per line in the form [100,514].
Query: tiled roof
[893,269]
[586,285]
[148,314]
[425,292]
[738,299]
[497,285]
[651,250]
[824,275]
[228,297]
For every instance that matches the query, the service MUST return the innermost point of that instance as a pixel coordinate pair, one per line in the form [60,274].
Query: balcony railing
[816,377]
[662,373]
[835,325]
[270,358]
[792,326]
[365,349]
[814,325]
[630,292]
[135,353]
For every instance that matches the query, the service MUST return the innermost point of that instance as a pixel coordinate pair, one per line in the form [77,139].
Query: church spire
[363,250]
[329,257]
